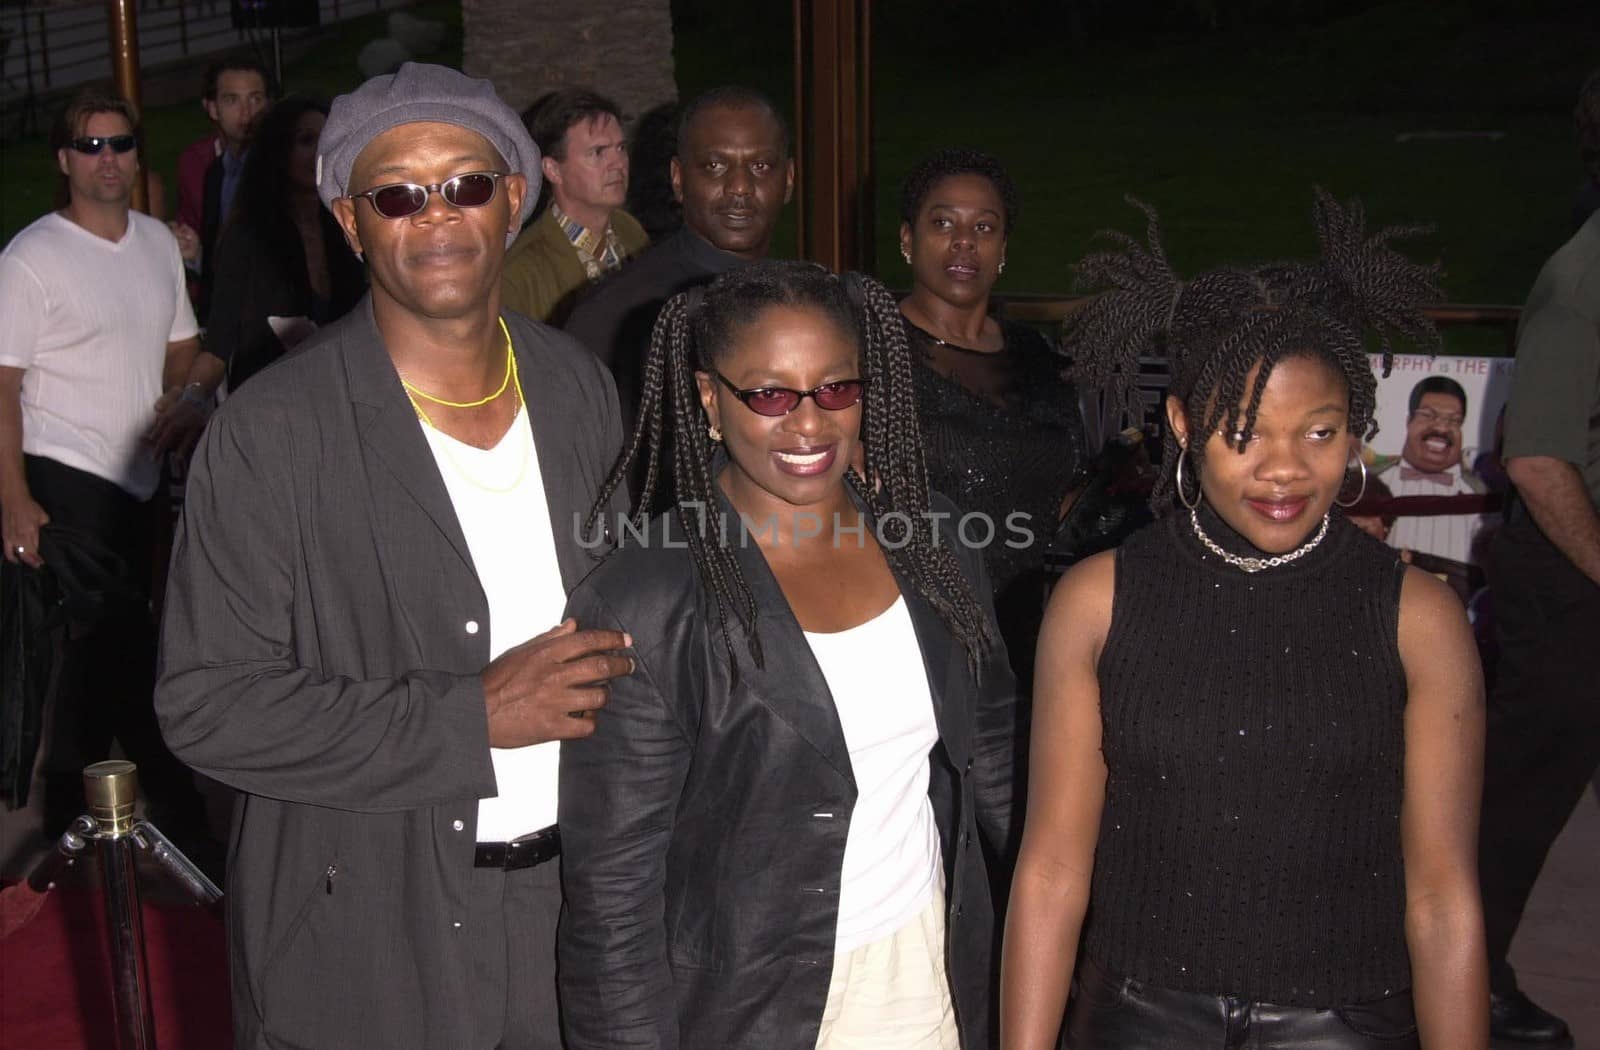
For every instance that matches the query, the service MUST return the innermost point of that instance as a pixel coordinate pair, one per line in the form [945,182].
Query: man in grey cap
[360,628]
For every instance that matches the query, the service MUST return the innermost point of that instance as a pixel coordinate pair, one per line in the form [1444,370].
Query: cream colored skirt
[893,994]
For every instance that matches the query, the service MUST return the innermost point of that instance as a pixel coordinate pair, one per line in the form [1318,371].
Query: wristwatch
[195,394]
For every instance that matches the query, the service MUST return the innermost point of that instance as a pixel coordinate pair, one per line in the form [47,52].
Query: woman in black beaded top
[282,266]
[1001,425]
[1257,735]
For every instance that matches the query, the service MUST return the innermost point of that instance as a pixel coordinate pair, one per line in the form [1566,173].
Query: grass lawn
[1225,133]
[1226,138]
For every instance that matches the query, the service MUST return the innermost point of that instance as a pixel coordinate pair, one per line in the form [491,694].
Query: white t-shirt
[499,499]
[891,854]
[90,319]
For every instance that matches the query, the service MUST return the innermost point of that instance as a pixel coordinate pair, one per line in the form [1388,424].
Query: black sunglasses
[92,144]
[780,400]
[400,199]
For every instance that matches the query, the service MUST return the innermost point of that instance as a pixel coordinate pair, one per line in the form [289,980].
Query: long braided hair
[1215,327]
[694,330]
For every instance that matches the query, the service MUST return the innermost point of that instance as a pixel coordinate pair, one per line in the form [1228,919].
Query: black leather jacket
[704,823]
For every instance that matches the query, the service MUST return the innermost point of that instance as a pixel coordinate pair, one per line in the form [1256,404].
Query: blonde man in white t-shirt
[101,374]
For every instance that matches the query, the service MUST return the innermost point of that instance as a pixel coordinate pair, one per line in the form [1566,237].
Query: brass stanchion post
[112,788]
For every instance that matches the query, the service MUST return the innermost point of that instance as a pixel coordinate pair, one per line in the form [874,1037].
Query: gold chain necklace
[504,382]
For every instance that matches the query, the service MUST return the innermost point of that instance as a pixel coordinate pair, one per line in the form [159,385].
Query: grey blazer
[323,634]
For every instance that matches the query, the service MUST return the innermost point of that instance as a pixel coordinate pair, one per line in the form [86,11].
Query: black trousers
[1543,743]
[1111,1012]
[106,680]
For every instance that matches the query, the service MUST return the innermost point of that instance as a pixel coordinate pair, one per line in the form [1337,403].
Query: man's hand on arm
[182,410]
[1556,497]
[20,516]
[549,687]
[188,243]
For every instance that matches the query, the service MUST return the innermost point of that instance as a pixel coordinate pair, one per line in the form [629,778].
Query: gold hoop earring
[1363,490]
[1178,481]
[714,433]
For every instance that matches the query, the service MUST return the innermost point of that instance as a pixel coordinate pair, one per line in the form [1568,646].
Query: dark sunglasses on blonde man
[93,144]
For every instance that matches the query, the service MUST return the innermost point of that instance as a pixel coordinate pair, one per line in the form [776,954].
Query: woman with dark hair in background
[777,817]
[1258,735]
[282,265]
[1002,428]
[650,197]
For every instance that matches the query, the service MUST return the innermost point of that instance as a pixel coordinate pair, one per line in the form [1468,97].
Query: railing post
[27,61]
[112,788]
[44,46]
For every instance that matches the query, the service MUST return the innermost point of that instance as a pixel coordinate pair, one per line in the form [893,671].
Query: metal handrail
[1057,310]
[61,46]
[1050,309]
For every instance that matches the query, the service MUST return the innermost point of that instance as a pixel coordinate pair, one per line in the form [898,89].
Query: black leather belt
[519,853]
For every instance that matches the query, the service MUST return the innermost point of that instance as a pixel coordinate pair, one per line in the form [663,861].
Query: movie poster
[1438,424]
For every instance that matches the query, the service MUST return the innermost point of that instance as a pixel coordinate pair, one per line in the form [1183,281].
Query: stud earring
[714,433]
[1001,268]
[906,256]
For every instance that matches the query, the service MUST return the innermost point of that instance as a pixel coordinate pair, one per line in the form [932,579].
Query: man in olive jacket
[583,234]
[360,628]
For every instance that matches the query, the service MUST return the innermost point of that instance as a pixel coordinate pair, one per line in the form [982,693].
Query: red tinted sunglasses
[398,200]
[781,400]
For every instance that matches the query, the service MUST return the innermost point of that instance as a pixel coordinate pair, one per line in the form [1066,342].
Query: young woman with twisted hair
[1257,735]
[774,837]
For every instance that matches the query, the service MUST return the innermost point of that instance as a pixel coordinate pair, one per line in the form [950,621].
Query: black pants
[1543,743]
[1109,1012]
[106,681]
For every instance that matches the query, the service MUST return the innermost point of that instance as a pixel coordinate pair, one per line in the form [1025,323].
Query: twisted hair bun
[1215,327]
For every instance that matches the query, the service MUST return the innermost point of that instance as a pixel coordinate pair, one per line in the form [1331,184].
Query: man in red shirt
[236,94]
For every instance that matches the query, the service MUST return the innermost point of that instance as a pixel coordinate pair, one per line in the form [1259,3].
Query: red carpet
[55,977]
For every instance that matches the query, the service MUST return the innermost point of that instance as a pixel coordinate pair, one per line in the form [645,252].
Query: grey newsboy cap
[421,92]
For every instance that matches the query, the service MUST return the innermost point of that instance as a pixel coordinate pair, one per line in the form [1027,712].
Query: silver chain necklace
[1256,564]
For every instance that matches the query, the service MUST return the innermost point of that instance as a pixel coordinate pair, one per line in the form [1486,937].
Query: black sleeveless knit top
[1250,840]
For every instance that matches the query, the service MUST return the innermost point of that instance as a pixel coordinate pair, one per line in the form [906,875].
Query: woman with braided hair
[774,836]
[1257,735]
